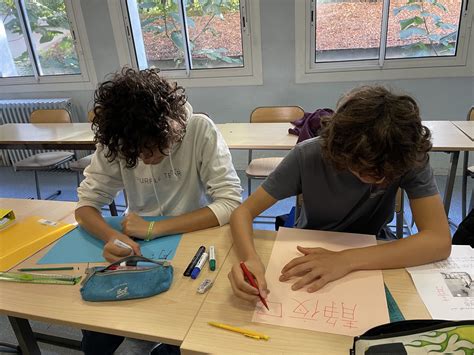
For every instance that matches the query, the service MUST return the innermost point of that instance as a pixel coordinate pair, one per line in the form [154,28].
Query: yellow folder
[24,238]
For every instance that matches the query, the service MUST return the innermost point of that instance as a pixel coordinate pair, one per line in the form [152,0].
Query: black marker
[195,260]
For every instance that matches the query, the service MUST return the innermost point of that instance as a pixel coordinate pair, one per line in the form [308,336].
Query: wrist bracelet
[149,231]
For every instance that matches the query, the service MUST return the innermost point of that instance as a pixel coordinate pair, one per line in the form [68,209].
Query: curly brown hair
[375,133]
[138,112]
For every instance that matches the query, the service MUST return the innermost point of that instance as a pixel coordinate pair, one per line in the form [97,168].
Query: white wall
[439,99]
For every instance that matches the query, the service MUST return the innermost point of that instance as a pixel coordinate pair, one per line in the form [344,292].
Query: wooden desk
[467,127]
[272,136]
[52,210]
[76,136]
[80,136]
[447,137]
[222,306]
[163,318]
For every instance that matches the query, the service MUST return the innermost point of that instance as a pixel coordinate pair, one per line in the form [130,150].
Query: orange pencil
[251,280]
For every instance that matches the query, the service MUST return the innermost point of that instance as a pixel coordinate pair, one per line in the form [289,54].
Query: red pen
[251,280]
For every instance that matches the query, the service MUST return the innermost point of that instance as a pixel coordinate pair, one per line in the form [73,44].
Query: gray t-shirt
[339,201]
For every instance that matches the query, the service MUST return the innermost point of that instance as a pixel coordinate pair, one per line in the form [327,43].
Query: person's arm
[216,170]
[242,233]
[319,266]
[217,175]
[202,218]
[92,221]
[102,183]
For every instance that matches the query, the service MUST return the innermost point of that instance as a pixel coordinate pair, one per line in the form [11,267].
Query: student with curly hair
[374,144]
[170,161]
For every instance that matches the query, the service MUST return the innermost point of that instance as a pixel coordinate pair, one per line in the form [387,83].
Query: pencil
[246,332]
[46,268]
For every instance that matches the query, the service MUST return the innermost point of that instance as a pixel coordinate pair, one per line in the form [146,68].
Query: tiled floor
[21,185]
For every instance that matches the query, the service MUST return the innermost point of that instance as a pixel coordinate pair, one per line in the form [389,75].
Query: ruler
[393,310]
[39,278]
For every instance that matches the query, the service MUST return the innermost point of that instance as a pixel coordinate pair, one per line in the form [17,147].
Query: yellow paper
[26,237]
[348,306]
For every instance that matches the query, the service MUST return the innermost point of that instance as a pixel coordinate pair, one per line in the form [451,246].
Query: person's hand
[315,268]
[113,252]
[242,288]
[135,226]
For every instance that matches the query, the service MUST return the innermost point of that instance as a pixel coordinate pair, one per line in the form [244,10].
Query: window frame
[376,69]
[249,74]
[85,81]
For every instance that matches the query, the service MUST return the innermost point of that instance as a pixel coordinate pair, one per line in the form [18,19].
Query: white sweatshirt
[198,172]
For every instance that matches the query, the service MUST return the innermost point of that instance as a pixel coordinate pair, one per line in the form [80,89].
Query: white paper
[447,287]
[348,306]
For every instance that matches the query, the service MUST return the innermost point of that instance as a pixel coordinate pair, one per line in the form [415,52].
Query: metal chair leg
[464,185]
[125,198]
[471,205]
[38,193]
[249,186]
[78,177]
[53,196]
[399,218]
[113,209]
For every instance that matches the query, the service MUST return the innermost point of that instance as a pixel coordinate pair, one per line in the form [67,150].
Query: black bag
[465,233]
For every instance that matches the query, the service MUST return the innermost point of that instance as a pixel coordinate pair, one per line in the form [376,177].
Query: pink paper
[348,306]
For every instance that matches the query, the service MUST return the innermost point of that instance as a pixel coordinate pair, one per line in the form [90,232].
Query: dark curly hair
[376,133]
[138,112]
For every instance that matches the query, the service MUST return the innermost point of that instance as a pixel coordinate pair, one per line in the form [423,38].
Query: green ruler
[393,310]
[39,278]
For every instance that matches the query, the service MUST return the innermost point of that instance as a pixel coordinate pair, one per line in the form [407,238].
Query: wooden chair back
[90,115]
[275,114]
[50,116]
[470,115]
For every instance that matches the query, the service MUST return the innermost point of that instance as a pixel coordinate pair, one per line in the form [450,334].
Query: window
[384,34]
[38,43]
[194,39]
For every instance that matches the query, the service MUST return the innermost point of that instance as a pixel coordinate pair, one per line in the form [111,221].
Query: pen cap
[212,258]
[197,269]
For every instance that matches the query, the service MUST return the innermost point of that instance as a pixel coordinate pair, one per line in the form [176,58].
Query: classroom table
[223,307]
[69,136]
[163,318]
[467,127]
[79,136]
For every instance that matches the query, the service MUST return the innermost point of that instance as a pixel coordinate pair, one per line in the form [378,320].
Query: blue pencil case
[129,278]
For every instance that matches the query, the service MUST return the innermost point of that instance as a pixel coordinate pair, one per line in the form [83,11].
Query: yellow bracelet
[150,229]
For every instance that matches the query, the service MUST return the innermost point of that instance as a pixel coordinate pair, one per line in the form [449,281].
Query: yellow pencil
[247,333]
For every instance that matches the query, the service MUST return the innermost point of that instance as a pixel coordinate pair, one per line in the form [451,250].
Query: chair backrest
[90,115]
[50,116]
[470,114]
[267,114]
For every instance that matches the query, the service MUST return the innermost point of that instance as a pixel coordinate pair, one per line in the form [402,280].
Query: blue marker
[199,266]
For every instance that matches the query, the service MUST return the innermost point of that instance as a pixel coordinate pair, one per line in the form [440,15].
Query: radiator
[19,111]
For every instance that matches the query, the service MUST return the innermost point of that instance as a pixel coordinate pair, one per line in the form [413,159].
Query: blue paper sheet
[78,246]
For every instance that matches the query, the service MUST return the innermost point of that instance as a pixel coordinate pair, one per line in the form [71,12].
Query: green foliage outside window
[162,17]
[418,28]
[47,18]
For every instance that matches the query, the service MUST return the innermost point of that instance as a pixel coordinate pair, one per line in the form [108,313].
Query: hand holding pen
[241,283]
[115,248]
